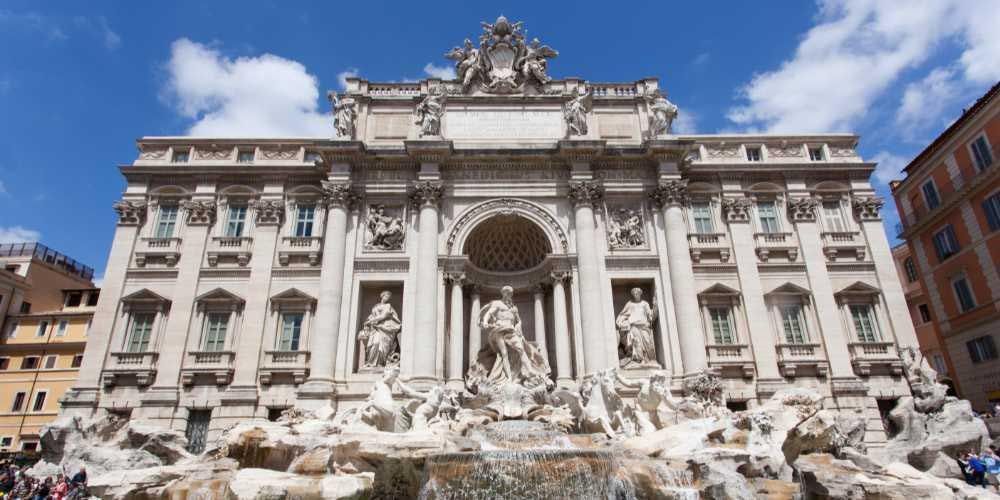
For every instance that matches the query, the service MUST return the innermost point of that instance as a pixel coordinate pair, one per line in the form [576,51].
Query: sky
[80,81]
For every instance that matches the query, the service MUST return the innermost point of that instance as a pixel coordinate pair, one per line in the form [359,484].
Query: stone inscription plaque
[503,124]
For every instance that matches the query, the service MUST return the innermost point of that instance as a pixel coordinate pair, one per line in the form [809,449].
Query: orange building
[949,204]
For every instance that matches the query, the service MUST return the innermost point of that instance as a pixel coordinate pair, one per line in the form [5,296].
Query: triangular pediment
[145,296]
[220,295]
[293,296]
[789,288]
[859,288]
[719,289]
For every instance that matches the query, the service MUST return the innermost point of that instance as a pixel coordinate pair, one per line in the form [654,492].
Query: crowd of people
[16,485]
[982,469]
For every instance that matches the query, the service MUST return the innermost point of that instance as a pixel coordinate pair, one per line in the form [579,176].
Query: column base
[160,396]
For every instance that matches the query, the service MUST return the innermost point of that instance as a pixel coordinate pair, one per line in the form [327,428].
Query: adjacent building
[949,204]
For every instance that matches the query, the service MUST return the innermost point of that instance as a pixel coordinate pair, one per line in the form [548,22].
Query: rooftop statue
[344,113]
[503,63]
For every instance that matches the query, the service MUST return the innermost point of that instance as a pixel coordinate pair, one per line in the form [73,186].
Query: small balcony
[792,358]
[306,248]
[709,243]
[216,364]
[835,243]
[879,355]
[141,365]
[150,249]
[771,243]
[293,364]
[731,358]
[237,248]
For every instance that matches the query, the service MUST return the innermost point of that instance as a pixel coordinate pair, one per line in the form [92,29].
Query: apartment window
[864,322]
[77,361]
[61,329]
[25,307]
[13,268]
[701,213]
[767,214]
[73,299]
[92,298]
[833,217]
[6,441]
[4,363]
[722,325]
[29,363]
[981,152]
[18,401]
[42,328]
[930,195]
[945,243]
[925,313]
[181,156]
[911,270]
[245,156]
[39,401]
[980,349]
[50,362]
[753,153]
[938,361]
[304,217]
[166,221]
[816,154]
[963,293]
[291,331]
[141,331]
[215,331]
[793,324]
[12,330]
[29,446]
[86,331]
[236,220]
[991,206]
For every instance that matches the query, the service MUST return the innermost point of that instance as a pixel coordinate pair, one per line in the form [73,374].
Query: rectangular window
[245,156]
[930,195]
[304,216]
[29,446]
[791,322]
[215,331]
[313,157]
[816,154]
[236,221]
[925,313]
[181,156]
[166,221]
[4,363]
[77,361]
[73,299]
[701,213]
[938,361]
[981,151]
[29,363]
[61,329]
[18,402]
[864,322]
[92,298]
[991,207]
[25,307]
[291,331]
[142,329]
[722,325]
[6,441]
[911,270]
[980,349]
[767,213]
[39,402]
[833,218]
[50,362]
[964,294]
[43,328]
[13,330]
[753,154]
[945,243]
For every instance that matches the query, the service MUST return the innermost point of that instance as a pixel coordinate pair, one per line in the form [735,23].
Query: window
[981,152]
[25,307]
[77,361]
[39,402]
[291,331]
[181,156]
[304,216]
[12,331]
[791,323]
[753,153]
[964,294]
[236,221]
[50,362]
[722,325]
[73,299]
[165,221]
[930,195]
[13,268]
[4,363]
[18,402]
[945,243]
[142,328]
[29,446]
[991,206]
[816,154]
[767,213]
[42,328]
[701,213]
[832,217]
[6,441]
[29,363]
[911,270]
[864,322]
[925,313]
[63,326]
[980,349]
[86,331]
[312,157]
[92,298]
[245,156]
[938,361]
[215,331]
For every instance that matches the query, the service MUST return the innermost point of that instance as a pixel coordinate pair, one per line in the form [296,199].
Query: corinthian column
[670,196]
[455,345]
[539,295]
[560,324]
[475,334]
[427,196]
[584,195]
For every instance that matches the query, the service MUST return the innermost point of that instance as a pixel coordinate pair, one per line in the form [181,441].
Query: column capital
[585,192]
[736,209]
[426,193]
[867,208]
[561,276]
[269,212]
[539,289]
[455,278]
[670,192]
[802,209]
[130,213]
[199,212]
[339,194]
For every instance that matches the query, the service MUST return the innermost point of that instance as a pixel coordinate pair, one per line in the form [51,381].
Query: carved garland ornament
[199,212]
[802,209]
[131,213]
[672,192]
[585,192]
[269,212]
[507,206]
[737,209]
[867,207]
[426,193]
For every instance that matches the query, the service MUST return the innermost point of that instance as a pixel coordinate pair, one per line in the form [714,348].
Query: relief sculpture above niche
[625,228]
[384,228]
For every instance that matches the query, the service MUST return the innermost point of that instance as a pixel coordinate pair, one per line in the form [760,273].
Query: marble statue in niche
[429,112]
[385,231]
[380,333]
[636,342]
[576,112]
[509,358]
[625,228]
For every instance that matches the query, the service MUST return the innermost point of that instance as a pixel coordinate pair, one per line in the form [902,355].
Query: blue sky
[80,81]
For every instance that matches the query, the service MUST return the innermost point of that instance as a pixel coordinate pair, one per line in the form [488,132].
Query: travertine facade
[246,276]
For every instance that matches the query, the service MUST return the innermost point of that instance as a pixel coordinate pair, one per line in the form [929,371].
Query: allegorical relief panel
[384,228]
[626,228]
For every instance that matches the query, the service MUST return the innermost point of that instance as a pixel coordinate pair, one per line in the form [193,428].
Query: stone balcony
[230,248]
[307,248]
[217,364]
[792,358]
[167,250]
[731,358]
[293,364]
[140,365]
[770,243]
[881,355]
[837,242]
[709,243]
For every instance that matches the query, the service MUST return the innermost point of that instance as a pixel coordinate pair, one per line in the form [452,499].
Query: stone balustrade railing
[866,355]
[702,243]
[792,357]
[169,249]
[836,241]
[294,364]
[309,247]
[770,242]
[238,247]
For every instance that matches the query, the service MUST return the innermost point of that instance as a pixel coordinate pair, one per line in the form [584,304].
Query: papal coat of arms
[503,63]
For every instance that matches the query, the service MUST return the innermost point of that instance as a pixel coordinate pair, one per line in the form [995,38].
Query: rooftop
[49,256]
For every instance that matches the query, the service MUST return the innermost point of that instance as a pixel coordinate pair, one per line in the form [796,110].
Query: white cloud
[34,22]
[263,96]
[685,123]
[99,26]
[18,234]
[857,49]
[442,72]
[344,75]
[928,97]
[890,167]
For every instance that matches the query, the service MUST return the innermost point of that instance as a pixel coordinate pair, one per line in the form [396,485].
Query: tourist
[976,470]
[80,478]
[992,462]
[43,489]
[61,488]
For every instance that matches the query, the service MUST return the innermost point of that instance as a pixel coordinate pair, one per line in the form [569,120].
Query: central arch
[506,243]
[471,219]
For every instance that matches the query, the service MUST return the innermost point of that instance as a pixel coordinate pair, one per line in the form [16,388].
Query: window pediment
[219,298]
[293,298]
[719,293]
[857,290]
[145,299]
[789,289]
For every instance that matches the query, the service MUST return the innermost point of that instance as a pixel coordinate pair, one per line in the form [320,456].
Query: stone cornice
[667,150]
[579,150]
[429,150]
